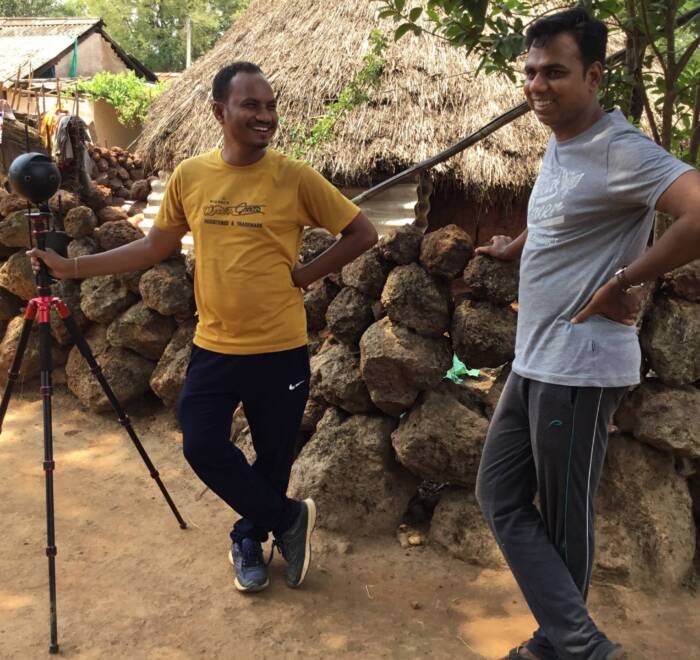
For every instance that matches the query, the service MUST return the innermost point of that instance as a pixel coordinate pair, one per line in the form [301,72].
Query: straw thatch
[429,97]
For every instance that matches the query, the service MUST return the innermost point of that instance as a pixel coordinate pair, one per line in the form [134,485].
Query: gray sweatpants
[549,441]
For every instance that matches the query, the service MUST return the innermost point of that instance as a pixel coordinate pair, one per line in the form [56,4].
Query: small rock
[167,289]
[493,280]
[14,230]
[417,300]
[684,282]
[63,201]
[670,339]
[16,276]
[103,298]
[111,235]
[367,273]
[401,245]
[82,246]
[349,314]
[446,251]
[80,222]
[313,243]
[483,334]
[111,214]
[397,363]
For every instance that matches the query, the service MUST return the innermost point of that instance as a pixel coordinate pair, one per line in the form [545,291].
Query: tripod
[40,307]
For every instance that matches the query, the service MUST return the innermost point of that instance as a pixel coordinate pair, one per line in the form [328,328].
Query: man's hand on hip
[611,301]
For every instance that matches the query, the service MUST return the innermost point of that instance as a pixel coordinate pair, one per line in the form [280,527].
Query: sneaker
[618,653]
[295,544]
[251,570]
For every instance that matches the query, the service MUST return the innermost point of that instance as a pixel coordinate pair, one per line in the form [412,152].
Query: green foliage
[38,8]
[355,93]
[154,32]
[664,75]
[131,96]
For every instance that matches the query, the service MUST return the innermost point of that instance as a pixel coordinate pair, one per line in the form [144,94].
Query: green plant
[353,94]
[131,96]
[658,77]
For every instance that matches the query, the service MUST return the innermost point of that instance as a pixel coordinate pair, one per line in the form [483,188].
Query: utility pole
[188,32]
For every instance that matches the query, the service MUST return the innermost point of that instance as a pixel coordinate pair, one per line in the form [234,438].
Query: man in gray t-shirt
[583,256]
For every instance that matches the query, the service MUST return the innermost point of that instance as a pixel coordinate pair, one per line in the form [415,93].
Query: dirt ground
[132,585]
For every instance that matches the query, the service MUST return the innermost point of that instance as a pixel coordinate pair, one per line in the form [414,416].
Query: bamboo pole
[29,89]
[16,85]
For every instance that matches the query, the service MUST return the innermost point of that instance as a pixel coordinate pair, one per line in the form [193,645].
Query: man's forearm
[137,255]
[677,247]
[515,249]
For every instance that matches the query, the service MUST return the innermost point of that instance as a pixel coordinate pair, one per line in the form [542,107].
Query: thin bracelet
[75,268]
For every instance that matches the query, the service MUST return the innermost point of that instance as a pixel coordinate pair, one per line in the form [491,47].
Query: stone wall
[386,439]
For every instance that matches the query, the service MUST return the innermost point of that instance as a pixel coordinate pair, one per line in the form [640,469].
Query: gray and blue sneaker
[251,570]
[295,544]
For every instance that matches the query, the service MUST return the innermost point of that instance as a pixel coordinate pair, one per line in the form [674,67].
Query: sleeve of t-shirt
[640,171]
[322,204]
[171,215]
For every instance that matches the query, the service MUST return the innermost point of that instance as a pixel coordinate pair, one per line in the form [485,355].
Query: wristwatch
[624,283]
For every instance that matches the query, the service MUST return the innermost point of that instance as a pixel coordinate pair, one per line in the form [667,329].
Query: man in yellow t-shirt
[246,206]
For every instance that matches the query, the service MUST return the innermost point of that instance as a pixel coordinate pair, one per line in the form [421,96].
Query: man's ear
[594,75]
[217,108]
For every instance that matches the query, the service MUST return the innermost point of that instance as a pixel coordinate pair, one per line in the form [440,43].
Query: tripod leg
[46,392]
[13,374]
[85,351]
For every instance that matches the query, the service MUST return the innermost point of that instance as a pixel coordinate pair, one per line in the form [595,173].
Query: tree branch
[650,36]
[650,116]
[685,58]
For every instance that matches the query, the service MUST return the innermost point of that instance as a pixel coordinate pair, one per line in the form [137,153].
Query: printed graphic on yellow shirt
[247,224]
[223,213]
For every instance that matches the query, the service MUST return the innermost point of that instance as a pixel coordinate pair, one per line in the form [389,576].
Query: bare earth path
[132,585]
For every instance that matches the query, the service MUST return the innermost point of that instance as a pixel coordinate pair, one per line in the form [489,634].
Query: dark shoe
[618,653]
[251,570]
[520,653]
[295,544]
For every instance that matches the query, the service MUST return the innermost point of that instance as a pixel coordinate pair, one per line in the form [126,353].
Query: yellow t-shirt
[247,224]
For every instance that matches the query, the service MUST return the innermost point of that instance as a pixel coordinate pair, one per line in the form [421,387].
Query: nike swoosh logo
[293,387]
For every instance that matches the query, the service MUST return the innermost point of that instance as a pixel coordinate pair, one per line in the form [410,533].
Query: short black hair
[221,84]
[590,34]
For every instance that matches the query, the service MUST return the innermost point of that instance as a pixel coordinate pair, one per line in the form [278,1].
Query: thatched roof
[429,97]
[35,43]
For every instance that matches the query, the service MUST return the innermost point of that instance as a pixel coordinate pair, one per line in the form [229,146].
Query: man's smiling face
[249,115]
[556,86]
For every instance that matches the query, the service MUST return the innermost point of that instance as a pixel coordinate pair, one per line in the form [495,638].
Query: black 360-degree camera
[34,176]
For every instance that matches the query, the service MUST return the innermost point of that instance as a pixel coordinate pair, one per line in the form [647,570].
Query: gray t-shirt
[590,213]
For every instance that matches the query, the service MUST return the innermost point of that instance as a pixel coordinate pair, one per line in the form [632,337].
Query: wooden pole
[29,89]
[426,164]
[58,93]
[14,89]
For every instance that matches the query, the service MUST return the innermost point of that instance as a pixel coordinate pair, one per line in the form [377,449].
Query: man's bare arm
[504,247]
[138,255]
[677,247]
[356,238]
[681,243]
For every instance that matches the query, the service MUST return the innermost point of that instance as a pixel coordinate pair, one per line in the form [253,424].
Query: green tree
[658,77]
[40,8]
[154,31]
